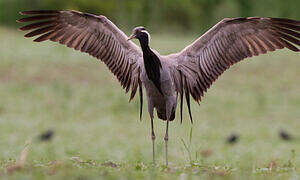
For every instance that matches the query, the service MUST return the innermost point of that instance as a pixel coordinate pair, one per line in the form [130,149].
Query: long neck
[144,44]
[152,63]
[148,54]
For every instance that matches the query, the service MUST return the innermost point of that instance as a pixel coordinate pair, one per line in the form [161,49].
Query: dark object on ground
[165,78]
[284,135]
[110,164]
[46,136]
[233,138]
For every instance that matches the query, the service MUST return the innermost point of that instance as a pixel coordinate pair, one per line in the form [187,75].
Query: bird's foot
[153,148]
[166,144]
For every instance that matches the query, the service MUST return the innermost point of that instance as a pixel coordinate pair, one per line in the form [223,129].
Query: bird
[284,135]
[46,136]
[232,139]
[164,78]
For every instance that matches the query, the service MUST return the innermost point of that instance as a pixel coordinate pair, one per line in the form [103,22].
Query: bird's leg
[169,107]
[150,110]
[166,141]
[153,140]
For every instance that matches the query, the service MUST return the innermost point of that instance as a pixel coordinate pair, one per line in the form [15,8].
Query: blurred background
[73,109]
[180,14]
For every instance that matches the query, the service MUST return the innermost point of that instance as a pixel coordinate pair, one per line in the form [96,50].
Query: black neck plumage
[151,62]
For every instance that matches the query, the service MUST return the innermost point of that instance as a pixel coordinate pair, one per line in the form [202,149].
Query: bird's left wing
[95,35]
[197,66]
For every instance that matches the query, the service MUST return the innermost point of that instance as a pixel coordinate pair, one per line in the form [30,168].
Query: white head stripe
[149,37]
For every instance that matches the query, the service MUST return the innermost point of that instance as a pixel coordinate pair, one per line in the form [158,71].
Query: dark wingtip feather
[20,29]
[181,95]
[133,92]
[44,37]
[40,31]
[181,106]
[36,25]
[187,98]
[38,40]
[285,20]
[36,18]
[141,99]
[131,98]
[289,45]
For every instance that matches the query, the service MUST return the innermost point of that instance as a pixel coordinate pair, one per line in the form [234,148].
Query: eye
[143,29]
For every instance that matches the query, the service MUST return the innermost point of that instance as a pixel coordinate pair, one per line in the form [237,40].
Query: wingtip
[21,29]
[27,36]
[285,20]
[22,12]
[26,12]
[36,40]
[20,20]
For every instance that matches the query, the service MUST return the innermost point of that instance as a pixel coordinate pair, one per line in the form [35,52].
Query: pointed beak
[131,37]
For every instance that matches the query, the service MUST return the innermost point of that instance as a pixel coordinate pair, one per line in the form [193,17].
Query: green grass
[47,86]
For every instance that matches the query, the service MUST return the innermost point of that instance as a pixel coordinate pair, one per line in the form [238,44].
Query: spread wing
[197,66]
[95,35]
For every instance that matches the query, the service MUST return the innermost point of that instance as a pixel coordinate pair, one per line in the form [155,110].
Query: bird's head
[140,33]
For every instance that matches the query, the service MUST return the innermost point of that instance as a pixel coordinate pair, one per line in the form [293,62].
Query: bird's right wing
[95,35]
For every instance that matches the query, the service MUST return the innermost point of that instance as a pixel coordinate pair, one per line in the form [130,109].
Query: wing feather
[228,42]
[95,35]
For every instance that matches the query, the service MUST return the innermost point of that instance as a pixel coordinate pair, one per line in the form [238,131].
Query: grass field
[98,134]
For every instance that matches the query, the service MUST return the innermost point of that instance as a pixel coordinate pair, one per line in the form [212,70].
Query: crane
[165,78]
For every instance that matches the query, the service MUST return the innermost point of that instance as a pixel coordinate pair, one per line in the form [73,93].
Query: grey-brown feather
[91,34]
[229,42]
[190,72]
